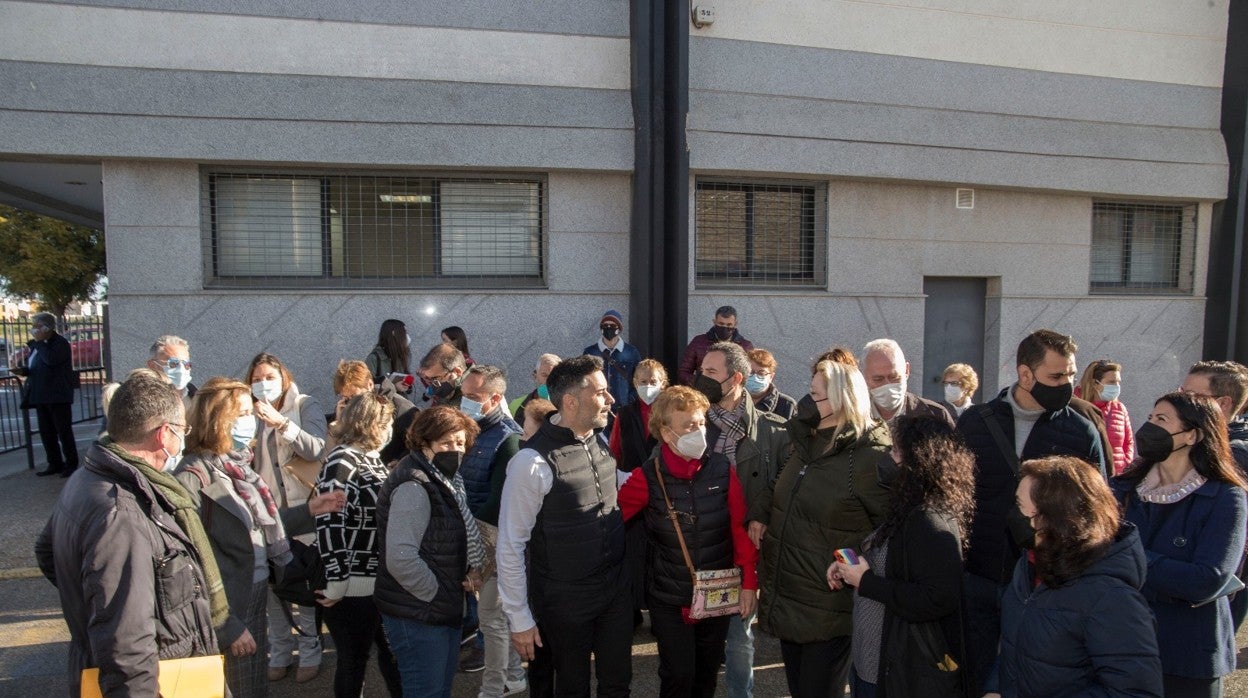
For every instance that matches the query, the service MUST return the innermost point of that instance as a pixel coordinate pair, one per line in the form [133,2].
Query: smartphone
[846,555]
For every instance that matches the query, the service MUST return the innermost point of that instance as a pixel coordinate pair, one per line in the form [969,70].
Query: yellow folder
[198,677]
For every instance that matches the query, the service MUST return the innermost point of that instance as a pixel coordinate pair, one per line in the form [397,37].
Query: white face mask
[171,459]
[953,393]
[269,390]
[244,430]
[693,444]
[890,397]
[180,376]
[648,393]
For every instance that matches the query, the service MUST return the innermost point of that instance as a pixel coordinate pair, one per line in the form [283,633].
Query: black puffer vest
[636,444]
[579,533]
[702,510]
[444,548]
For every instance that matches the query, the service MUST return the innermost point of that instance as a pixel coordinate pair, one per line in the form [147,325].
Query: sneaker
[513,687]
[472,660]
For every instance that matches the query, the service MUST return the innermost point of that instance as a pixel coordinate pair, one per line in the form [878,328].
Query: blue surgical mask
[543,392]
[471,408]
[269,390]
[180,376]
[244,431]
[756,384]
[1110,392]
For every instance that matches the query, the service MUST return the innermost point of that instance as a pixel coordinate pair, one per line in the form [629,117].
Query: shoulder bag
[715,592]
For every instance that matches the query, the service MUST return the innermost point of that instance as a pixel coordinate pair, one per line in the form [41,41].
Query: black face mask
[711,388]
[610,331]
[447,462]
[808,412]
[442,390]
[723,334]
[1052,398]
[1154,444]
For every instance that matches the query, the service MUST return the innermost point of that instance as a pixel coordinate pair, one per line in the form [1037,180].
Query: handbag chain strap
[671,514]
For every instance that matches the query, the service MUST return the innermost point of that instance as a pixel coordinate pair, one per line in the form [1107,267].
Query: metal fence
[88,351]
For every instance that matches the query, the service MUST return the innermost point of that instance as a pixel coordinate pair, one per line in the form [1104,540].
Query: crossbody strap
[671,514]
[994,428]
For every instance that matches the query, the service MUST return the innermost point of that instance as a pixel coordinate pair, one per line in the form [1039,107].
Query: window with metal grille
[269,230]
[1142,247]
[758,234]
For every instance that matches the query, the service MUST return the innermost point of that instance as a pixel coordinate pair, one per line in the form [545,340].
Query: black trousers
[592,619]
[56,431]
[689,654]
[1183,687]
[816,669]
[355,625]
[542,668]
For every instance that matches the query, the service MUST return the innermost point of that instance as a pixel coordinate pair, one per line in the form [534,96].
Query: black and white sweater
[348,539]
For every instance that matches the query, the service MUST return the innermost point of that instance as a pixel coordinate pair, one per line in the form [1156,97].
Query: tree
[50,260]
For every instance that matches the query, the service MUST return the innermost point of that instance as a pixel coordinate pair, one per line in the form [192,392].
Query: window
[756,234]
[352,231]
[1143,248]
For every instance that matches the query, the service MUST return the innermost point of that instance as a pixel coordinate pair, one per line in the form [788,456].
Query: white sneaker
[514,687]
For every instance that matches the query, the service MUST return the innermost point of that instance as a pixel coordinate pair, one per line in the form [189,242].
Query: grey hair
[169,340]
[735,358]
[493,378]
[552,359]
[140,404]
[46,319]
[887,347]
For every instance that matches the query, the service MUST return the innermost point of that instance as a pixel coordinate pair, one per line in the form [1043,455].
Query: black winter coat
[49,372]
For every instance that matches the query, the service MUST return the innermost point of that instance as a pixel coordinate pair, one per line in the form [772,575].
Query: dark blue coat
[1093,636]
[50,377]
[1237,431]
[618,365]
[1193,546]
[992,552]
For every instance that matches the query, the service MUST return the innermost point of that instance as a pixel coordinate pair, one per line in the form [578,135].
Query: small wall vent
[966,199]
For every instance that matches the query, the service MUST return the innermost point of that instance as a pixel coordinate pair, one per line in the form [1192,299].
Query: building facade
[950,173]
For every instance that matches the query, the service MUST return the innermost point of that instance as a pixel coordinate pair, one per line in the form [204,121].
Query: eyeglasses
[173,362]
[183,429]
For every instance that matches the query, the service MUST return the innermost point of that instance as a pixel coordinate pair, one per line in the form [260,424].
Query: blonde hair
[966,376]
[678,398]
[848,396]
[213,412]
[364,419]
[655,368]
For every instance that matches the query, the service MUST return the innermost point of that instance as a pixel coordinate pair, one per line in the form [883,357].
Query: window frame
[1182,280]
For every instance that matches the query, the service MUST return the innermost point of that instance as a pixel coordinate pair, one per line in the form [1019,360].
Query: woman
[960,383]
[1186,496]
[1073,620]
[352,378]
[709,503]
[242,522]
[1101,385]
[392,354]
[910,567]
[631,441]
[431,552]
[288,449]
[456,337]
[348,543]
[827,497]
[762,389]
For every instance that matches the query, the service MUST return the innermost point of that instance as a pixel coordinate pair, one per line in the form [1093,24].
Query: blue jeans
[739,658]
[427,655]
[858,688]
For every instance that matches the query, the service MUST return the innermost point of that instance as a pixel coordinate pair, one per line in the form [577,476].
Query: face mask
[442,390]
[243,431]
[1052,398]
[889,397]
[447,463]
[171,459]
[808,411]
[757,384]
[953,393]
[543,392]
[180,376]
[693,444]
[387,436]
[1154,443]
[471,408]
[610,332]
[723,334]
[409,340]
[648,393]
[269,390]
[711,388]
[1110,392]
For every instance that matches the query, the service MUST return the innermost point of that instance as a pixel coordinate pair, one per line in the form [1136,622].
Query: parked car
[84,348]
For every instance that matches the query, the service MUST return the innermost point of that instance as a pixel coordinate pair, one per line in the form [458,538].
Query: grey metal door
[953,330]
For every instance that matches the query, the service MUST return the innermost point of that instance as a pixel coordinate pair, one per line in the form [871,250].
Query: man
[619,358]
[171,358]
[762,388]
[756,443]
[440,372]
[887,372]
[724,329]
[559,502]
[49,389]
[136,575]
[1227,383]
[545,363]
[483,469]
[1030,419]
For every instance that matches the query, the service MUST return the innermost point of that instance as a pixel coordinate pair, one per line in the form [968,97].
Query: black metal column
[659,247]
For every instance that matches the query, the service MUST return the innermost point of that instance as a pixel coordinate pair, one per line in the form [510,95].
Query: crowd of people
[1033,544]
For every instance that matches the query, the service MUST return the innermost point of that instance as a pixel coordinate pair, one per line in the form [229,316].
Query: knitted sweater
[348,539]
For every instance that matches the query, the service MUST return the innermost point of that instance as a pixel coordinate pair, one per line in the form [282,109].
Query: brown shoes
[277,673]
[305,674]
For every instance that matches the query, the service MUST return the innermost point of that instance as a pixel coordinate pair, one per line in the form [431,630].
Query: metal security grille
[1143,248]
[270,230]
[756,234]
